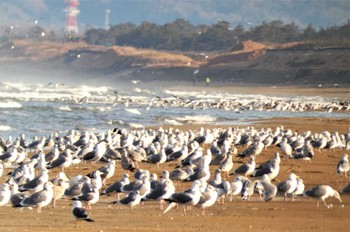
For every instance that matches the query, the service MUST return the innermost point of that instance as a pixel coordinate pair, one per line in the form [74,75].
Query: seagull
[5,194]
[343,165]
[63,161]
[207,198]
[39,199]
[299,188]
[265,188]
[158,158]
[202,172]
[253,150]
[90,197]
[132,199]
[36,182]
[188,197]
[99,150]
[226,165]
[322,192]
[117,186]
[79,212]
[288,186]
[286,148]
[163,191]
[272,170]
[236,187]
[126,162]
[346,189]
[58,191]
[180,174]
[247,188]
[16,196]
[246,169]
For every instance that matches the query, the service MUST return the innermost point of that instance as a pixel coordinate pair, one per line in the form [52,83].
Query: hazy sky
[246,12]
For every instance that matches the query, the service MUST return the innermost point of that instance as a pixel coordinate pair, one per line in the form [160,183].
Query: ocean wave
[10,105]
[5,128]
[196,119]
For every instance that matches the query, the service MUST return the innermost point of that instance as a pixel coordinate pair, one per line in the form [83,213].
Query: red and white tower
[71,16]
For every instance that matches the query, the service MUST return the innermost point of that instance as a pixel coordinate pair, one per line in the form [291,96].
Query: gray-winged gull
[117,186]
[346,189]
[39,199]
[288,186]
[226,165]
[188,197]
[265,188]
[322,192]
[272,170]
[246,169]
[16,196]
[90,197]
[163,191]
[36,182]
[126,162]
[132,199]
[79,212]
[5,194]
[236,187]
[299,189]
[63,161]
[343,165]
[208,198]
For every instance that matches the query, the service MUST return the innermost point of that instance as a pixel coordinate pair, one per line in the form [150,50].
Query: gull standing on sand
[117,186]
[16,196]
[90,197]
[343,165]
[236,187]
[272,170]
[163,191]
[299,189]
[322,192]
[246,169]
[226,165]
[132,199]
[63,161]
[346,189]
[58,191]
[208,198]
[286,148]
[39,199]
[189,197]
[37,182]
[79,212]
[5,194]
[265,188]
[288,186]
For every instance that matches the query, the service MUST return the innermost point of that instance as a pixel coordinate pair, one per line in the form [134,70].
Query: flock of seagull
[233,103]
[28,183]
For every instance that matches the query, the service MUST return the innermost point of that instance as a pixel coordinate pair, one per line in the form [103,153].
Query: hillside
[247,63]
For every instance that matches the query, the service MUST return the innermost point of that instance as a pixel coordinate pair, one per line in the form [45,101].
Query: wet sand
[238,215]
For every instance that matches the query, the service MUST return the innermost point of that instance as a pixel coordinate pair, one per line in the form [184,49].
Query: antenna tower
[71,16]
[107,12]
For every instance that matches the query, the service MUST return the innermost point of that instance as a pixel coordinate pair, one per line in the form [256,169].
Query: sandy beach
[253,215]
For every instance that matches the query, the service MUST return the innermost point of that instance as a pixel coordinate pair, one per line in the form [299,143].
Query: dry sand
[238,215]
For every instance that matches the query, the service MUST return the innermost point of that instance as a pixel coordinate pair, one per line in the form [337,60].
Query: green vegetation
[183,36]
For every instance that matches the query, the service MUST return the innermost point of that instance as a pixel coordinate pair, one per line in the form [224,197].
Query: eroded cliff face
[248,62]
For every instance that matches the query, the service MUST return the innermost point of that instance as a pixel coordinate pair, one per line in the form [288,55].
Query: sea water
[40,109]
